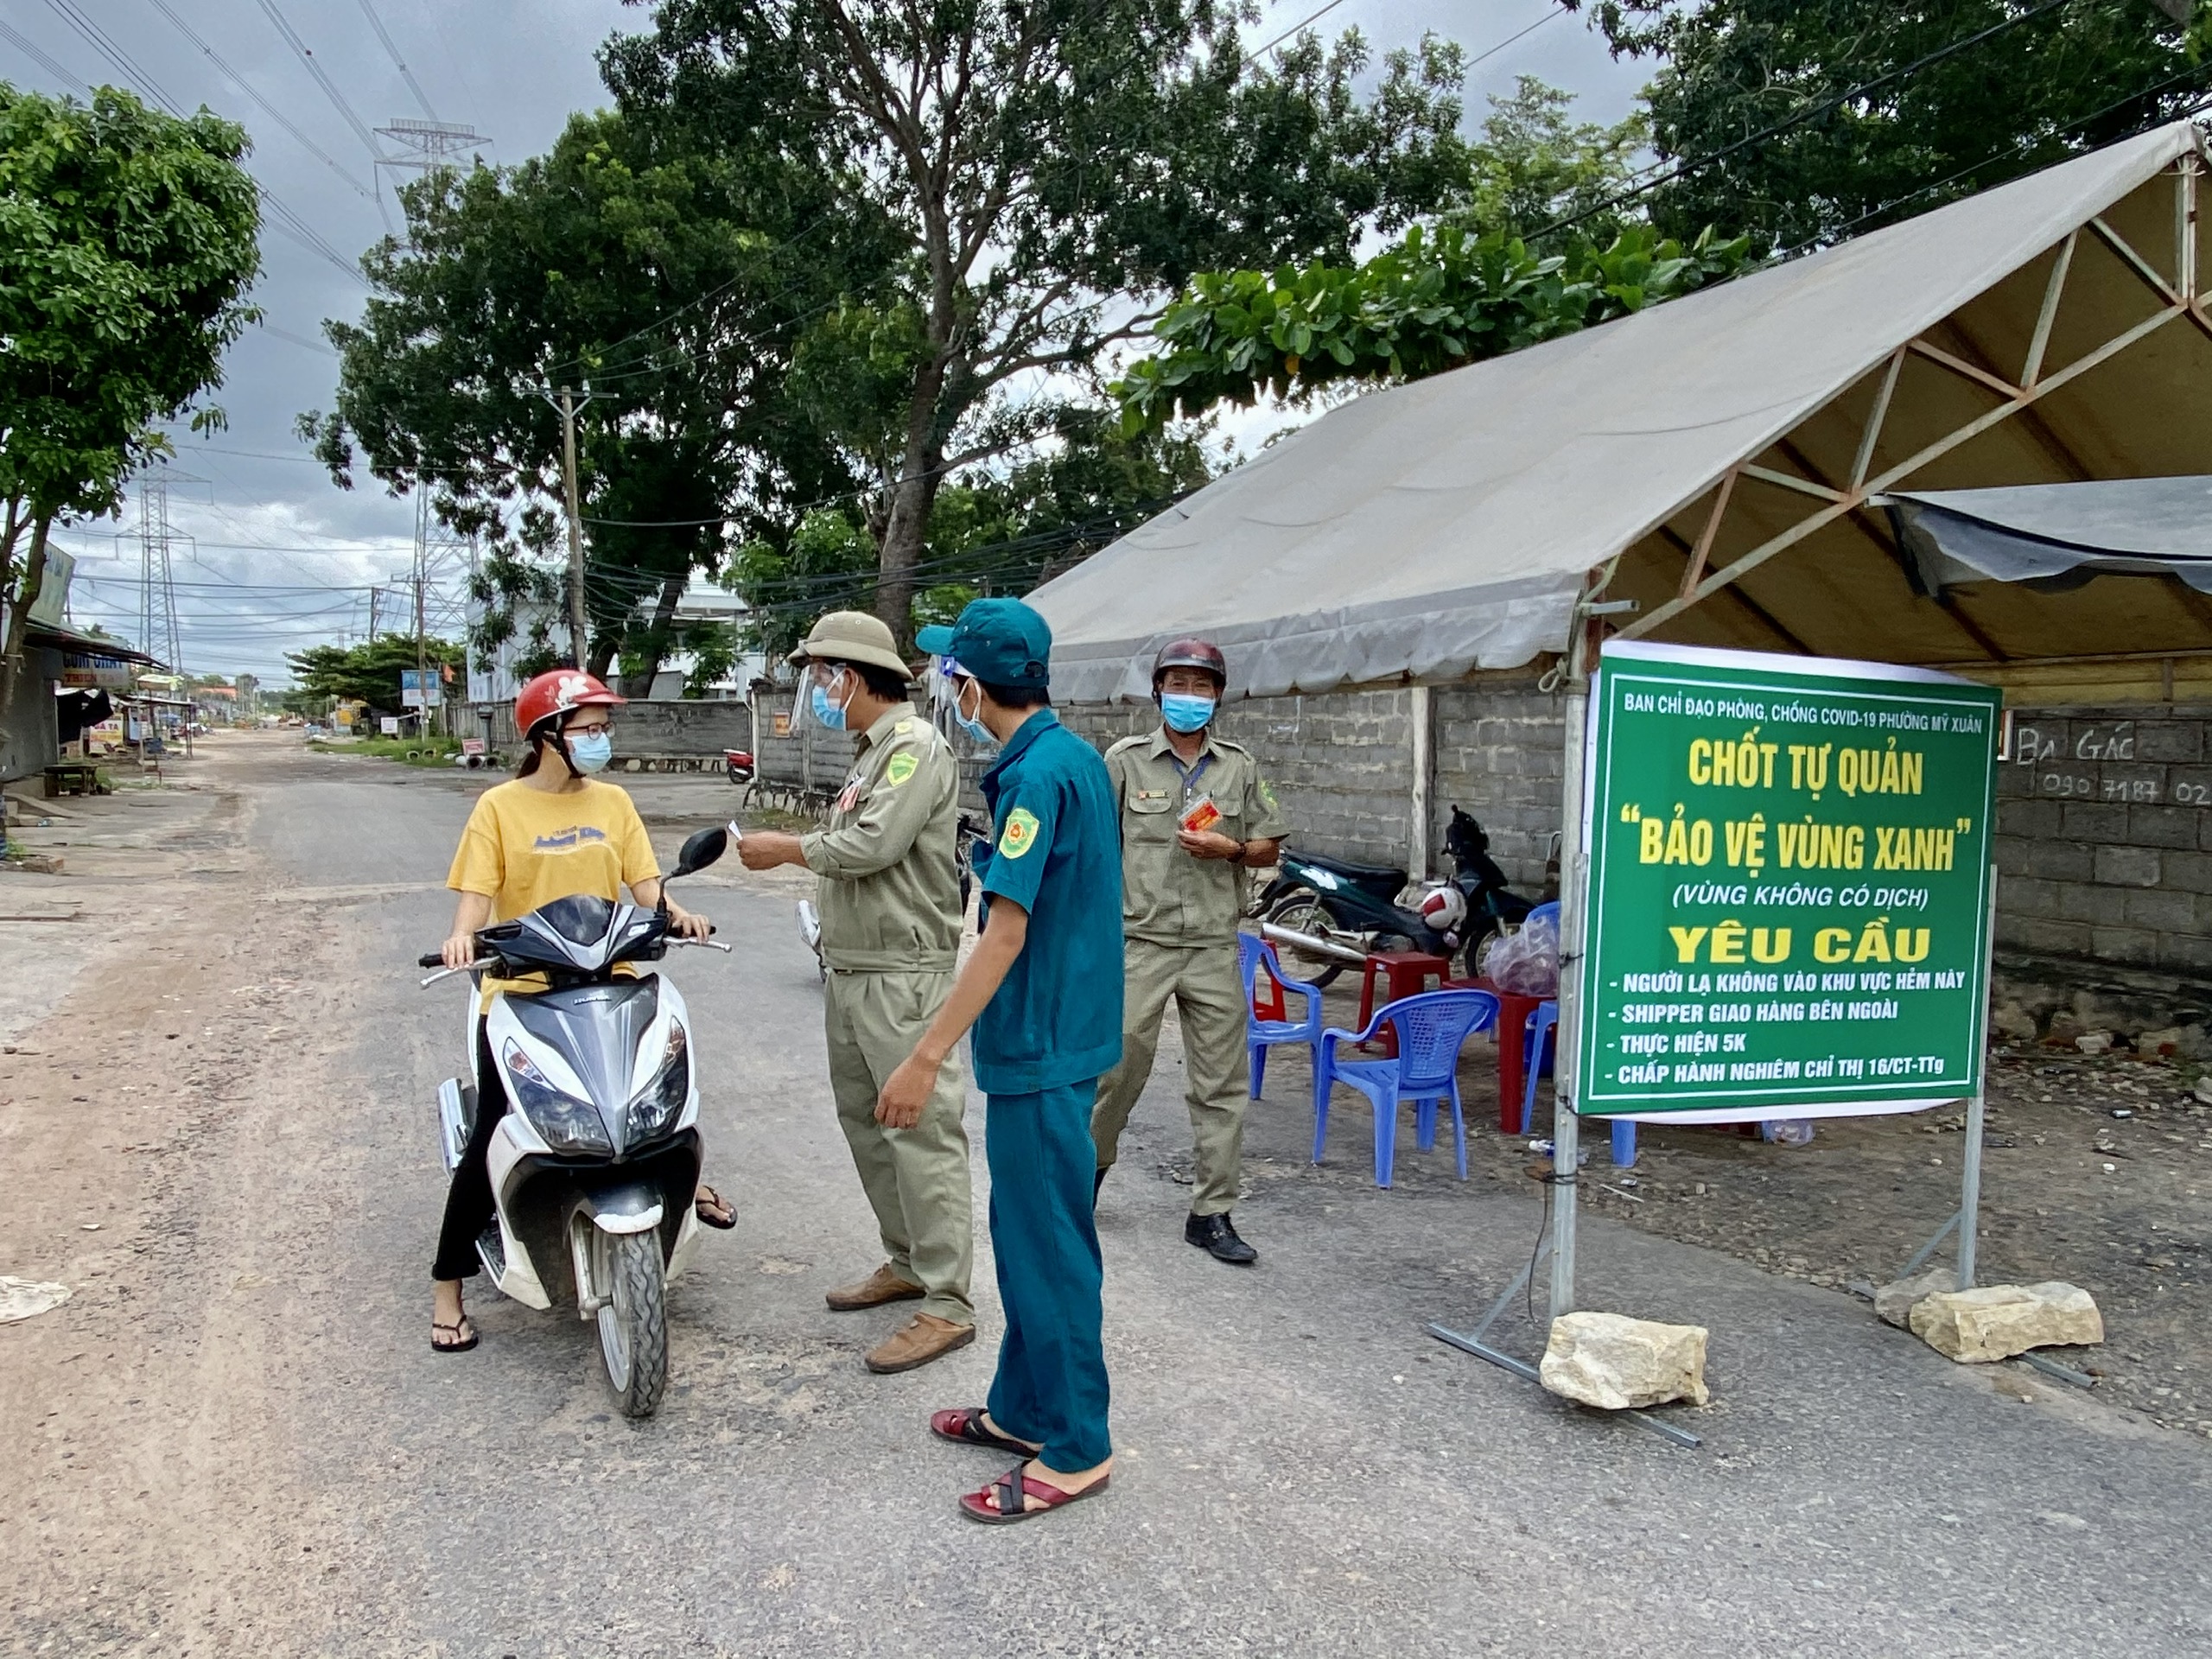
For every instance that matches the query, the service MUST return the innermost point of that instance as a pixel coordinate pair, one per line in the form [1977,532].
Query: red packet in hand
[1201,816]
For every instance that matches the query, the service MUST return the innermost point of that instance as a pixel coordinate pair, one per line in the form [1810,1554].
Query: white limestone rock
[1894,1302]
[1993,1322]
[1617,1363]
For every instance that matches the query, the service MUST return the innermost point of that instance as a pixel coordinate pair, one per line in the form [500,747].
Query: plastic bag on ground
[1527,962]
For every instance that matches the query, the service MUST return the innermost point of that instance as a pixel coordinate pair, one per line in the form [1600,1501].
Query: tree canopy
[1050,168]
[128,240]
[1529,250]
[368,671]
[663,280]
[2045,81]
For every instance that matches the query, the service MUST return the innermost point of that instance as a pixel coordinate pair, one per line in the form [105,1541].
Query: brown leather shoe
[923,1338]
[880,1286]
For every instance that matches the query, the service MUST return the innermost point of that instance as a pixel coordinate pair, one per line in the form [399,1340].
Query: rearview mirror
[702,850]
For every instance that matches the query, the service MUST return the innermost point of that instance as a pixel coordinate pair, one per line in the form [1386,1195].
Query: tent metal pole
[1970,1180]
[1573,861]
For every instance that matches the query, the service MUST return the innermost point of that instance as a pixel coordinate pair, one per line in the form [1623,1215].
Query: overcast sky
[279,558]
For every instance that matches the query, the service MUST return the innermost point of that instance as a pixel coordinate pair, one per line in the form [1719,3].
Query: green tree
[629,263]
[1052,168]
[368,671]
[1532,247]
[1000,529]
[2051,82]
[128,240]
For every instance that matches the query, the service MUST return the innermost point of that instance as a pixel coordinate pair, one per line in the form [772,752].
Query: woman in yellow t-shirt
[553,832]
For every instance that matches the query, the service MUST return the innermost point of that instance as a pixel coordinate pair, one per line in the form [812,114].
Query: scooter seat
[1367,875]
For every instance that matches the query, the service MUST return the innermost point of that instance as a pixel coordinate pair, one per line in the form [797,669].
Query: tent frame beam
[2179,300]
[2021,398]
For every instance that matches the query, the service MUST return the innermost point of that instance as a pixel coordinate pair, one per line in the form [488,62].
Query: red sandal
[1014,1488]
[964,1427]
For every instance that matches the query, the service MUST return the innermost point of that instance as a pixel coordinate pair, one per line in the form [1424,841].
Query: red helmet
[554,693]
[1201,654]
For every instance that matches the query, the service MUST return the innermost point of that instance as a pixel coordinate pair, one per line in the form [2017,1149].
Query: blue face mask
[1184,713]
[975,728]
[828,715]
[590,751]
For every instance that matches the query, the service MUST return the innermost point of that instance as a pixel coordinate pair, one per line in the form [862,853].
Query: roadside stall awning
[1718,460]
[62,638]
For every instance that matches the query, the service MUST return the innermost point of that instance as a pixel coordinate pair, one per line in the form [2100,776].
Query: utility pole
[422,656]
[566,400]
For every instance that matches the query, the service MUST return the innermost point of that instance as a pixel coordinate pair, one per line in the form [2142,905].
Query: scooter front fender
[635,1209]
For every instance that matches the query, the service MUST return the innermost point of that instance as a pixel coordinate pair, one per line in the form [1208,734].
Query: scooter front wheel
[626,1270]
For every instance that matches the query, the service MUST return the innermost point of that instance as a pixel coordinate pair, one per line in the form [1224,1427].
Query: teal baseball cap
[998,641]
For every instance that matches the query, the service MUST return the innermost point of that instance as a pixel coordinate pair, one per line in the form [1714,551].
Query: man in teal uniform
[1043,992]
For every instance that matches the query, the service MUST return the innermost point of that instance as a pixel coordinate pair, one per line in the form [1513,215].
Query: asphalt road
[1301,1470]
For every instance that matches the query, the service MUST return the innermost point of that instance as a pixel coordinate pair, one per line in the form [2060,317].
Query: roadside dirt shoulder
[149,1498]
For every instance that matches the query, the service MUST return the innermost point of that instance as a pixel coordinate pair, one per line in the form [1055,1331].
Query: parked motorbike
[595,1162]
[1330,914]
[738,765]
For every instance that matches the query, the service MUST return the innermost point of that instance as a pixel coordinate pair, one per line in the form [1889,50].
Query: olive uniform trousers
[1208,995]
[916,1179]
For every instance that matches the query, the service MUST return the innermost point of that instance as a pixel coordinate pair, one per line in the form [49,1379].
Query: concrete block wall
[1498,754]
[2104,843]
[670,727]
[1341,764]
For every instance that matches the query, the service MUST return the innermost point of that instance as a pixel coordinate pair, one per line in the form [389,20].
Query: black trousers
[468,1200]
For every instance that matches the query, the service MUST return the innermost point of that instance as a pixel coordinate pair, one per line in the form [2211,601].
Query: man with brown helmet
[1195,815]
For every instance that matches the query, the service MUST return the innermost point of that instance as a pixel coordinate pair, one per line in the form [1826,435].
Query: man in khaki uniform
[1195,815]
[890,903]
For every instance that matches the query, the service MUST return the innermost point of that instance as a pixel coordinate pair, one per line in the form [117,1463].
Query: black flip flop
[438,1347]
[707,1195]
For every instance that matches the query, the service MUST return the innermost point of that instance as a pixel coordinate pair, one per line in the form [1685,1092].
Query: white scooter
[595,1162]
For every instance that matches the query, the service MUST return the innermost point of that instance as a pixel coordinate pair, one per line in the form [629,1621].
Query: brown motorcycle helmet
[1201,654]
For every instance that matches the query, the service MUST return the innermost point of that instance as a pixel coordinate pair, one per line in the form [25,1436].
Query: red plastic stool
[1512,1036]
[1405,973]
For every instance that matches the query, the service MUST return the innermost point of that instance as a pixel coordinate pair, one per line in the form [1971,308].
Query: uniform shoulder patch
[1129,743]
[1021,832]
[899,768]
[1234,748]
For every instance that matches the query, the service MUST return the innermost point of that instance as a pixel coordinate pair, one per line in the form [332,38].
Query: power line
[270,110]
[300,50]
[1826,106]
[398,62]
[31,50]
[1317,16]
[2195,73]
[1490,52]
[305,55]
[287,221]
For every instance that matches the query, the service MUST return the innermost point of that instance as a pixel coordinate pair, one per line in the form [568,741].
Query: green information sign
[1789,885]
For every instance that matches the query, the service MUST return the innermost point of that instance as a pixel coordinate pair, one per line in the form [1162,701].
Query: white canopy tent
[1716,471]
[1728,444]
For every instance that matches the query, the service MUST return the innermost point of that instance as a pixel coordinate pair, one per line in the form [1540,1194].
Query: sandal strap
[1011,1488]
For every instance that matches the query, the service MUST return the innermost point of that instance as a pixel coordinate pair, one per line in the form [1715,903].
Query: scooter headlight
[657,1106]
[566,1123]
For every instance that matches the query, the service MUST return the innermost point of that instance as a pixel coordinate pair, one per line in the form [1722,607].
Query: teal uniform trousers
[1051,1386]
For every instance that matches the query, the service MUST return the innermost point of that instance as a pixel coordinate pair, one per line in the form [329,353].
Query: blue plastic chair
[1430,1028]
[1260,1035]
[1542,1040]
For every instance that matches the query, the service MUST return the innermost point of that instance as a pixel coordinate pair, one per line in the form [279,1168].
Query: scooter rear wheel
[1303,912]
[634,1320]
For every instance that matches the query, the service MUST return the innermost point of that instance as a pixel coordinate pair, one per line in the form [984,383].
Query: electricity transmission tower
[425,145]
[159,633]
